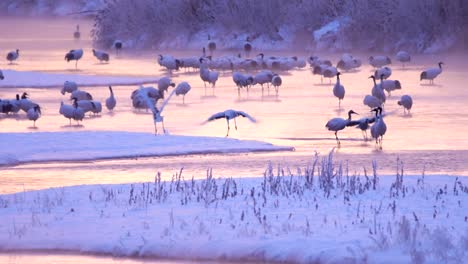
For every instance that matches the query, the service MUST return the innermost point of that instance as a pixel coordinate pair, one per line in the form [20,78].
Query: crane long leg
[155,128]
[337,139]
[164,129]
[227,134]
[235,124]
[76,65]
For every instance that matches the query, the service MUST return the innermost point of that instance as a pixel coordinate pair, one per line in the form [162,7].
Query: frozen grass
[316,214]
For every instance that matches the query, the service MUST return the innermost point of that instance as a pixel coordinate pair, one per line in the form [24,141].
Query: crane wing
[244,114]
[150,104]
[167,100]
[354,122]
[216,116]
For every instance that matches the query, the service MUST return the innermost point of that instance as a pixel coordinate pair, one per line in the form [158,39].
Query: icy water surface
[21,258]
[431,139]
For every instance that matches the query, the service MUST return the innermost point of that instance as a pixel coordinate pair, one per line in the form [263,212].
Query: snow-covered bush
[416,25]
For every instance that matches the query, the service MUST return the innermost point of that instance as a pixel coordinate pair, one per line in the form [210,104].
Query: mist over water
[432,139]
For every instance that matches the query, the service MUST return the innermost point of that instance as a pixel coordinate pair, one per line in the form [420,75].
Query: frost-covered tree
[416,25]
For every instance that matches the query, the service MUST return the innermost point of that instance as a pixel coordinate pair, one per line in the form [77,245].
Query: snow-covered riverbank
[317,214]
[91,145]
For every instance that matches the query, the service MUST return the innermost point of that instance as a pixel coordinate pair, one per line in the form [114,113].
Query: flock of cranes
[246,73]
[377,99]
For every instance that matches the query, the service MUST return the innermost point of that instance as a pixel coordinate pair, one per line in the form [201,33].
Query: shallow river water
[432,139]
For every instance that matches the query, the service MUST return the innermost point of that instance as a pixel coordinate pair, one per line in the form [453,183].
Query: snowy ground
[28,79]
[318,214]
[91,145]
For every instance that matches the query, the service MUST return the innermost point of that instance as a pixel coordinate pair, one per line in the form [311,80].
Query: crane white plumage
[74,55]
[386,71]
[403,57]
[329,72]
[336,124]
[228,115]
[101,55]
[89,106]
[157,117]
[431,74]
[81,95]
[377,91]
[276,81]
[316,61]
[97,107]
[12,105]
[208,76]
[164,83]
[138,96]
[379,61]
[211,45]
[169,62]
[407,102]
[72,111]
[110,101]
[34,113]
[182,89]
[348,62]
[362,124]
[247,47]
[12,56]
[25,104]
[372,101]
[391,85]
[190,63]
[69,87]
[77,34]
[117,45]
[378,129]
[242,80]
[338,89]
[263,77]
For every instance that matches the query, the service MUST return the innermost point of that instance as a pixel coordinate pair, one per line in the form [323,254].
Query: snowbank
[316,215]
[67,146]
[30,79]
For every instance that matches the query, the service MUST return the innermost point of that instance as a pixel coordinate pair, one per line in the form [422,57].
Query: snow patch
[30,79]
[69,146]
